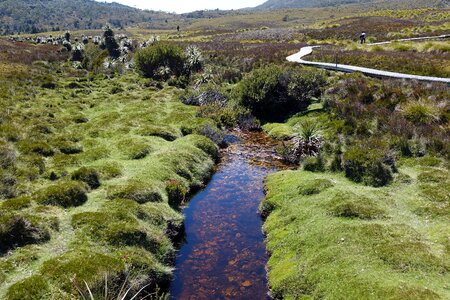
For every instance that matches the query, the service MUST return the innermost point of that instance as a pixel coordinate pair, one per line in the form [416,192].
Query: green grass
[348,241]
[89,183]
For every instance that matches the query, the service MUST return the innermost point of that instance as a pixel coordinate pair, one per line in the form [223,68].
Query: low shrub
[88,175]
[364,162]
[160,61]
[138,191]
[32,288]
[272,92]
[314,164]
[350,205]
[421,112]
[64,193]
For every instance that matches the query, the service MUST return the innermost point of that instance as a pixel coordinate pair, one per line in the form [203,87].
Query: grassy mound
[34,288]
[65,194]
[351,241]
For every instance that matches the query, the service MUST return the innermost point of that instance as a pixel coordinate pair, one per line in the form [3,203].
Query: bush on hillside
[160,61]
[272,92]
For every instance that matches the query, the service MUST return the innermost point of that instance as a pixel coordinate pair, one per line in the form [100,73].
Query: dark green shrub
[141,192]
[160,61]
[176,192]
[110,43]
[364,162]
[88,175]
[19,230]
[314,164]
[65,194]
[336,163]
[272,92]
[32,288]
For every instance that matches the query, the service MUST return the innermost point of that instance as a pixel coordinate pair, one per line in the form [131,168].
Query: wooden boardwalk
[298,58]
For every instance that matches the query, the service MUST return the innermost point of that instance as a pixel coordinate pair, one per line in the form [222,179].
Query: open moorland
[106,134]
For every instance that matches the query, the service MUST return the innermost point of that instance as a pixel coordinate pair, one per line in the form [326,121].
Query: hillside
[286,4]
[32,16]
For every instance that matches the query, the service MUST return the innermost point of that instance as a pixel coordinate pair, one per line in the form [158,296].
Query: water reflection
[224,254]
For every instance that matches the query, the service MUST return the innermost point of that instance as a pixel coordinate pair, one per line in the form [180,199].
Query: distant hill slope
[31,16]
[286,4]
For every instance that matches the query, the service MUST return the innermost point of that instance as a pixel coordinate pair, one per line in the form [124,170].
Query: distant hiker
[178,28]
[362,37]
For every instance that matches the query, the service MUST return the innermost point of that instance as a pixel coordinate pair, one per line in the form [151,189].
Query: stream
[223,255]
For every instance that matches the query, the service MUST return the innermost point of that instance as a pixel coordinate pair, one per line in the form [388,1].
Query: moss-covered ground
[347,241]
[86,162]
[332,238]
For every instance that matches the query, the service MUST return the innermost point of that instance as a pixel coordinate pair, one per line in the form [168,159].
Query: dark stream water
[224,256]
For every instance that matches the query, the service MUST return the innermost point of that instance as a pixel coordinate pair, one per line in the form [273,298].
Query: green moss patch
[138,191]
[351,241]
[350,205]
[65,194]
[33,288]
[75,268]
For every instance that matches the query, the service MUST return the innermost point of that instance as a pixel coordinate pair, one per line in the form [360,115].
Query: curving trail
[298,58]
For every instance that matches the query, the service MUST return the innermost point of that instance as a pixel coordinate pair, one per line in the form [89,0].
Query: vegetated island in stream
[98,154]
